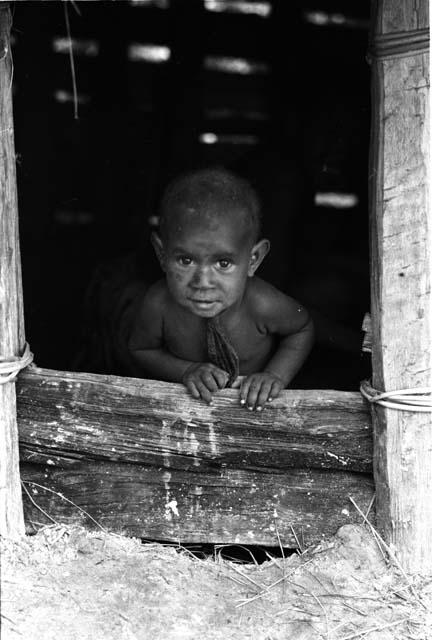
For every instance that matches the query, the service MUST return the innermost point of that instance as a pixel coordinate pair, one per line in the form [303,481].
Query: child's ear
[157,243]
[258,253]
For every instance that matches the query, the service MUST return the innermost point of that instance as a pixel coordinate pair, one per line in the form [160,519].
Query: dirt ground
[72,583]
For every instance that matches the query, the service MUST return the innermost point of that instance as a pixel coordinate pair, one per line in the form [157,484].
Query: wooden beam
[11,308]
[83,415]
[124,449]
[401,274]
[229,505]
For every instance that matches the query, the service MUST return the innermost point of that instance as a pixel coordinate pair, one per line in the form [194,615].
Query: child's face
[207,262]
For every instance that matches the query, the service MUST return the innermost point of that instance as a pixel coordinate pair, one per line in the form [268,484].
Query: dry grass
[71,583]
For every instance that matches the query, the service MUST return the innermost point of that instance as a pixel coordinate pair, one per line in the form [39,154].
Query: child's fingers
[256,390]
[191,387]
[221,377]
[264,394]
[244,390]
[275,390]
[252,394]
[210,381]
[204,393]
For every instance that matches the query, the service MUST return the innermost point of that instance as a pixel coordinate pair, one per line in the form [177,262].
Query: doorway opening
[276,91]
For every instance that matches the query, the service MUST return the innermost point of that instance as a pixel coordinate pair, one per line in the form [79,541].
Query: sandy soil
[71,583]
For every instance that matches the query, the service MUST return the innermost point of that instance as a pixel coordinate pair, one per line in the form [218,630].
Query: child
[211,319]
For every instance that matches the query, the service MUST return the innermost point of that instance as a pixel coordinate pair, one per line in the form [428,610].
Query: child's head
[211,194]
[208,244]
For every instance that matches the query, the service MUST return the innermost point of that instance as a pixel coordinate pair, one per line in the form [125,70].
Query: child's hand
[203,379]
[259,388]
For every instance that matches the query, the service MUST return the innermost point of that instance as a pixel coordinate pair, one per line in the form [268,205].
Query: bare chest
[186,338]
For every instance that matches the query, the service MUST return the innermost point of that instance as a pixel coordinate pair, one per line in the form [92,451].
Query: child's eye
[185,261]
[224,263]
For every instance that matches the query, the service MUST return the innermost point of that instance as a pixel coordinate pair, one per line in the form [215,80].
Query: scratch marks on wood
[342,460]
[158,424]
[146,459]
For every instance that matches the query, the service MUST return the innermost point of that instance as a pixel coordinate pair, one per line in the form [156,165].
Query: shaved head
[208,195]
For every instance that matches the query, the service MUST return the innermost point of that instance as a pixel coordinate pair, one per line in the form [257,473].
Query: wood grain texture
[228,505]
[144,458]
[400,282]
[80,415]
[399,16]
[11,306]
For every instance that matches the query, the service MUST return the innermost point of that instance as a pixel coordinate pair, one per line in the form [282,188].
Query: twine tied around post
[10,367]
[416,399]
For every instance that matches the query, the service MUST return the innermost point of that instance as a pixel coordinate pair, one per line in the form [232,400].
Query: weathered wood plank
[401,264]
[226,506]
[11,308]
[68,416]
[144,458]
[399,16]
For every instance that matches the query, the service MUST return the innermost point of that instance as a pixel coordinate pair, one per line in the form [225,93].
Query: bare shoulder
[147,323]
[263,296]
[275,310]
[155,297]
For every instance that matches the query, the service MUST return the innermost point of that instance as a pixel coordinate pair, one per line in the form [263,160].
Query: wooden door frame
[400,277]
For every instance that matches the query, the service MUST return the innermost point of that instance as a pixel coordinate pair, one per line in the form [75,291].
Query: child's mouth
[203,304]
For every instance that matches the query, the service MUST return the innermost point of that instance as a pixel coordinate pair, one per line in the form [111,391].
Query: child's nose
[202,278]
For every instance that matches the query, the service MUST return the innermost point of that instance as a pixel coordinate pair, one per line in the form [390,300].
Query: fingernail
[250,408]
[270,399]
[242,401]
[259,408]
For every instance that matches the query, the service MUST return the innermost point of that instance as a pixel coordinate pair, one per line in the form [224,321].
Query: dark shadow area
[243,554]
[276,91]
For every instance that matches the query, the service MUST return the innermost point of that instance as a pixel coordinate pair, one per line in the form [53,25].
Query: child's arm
[146,347]
[286,318]
[146,340]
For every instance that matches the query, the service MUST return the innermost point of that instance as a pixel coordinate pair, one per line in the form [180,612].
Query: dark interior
[277,91]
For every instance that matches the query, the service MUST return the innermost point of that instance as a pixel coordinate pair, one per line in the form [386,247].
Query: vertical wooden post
[11,307]
[401,246]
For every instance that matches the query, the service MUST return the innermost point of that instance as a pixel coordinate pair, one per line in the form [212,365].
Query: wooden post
[11,307]
[400,274]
